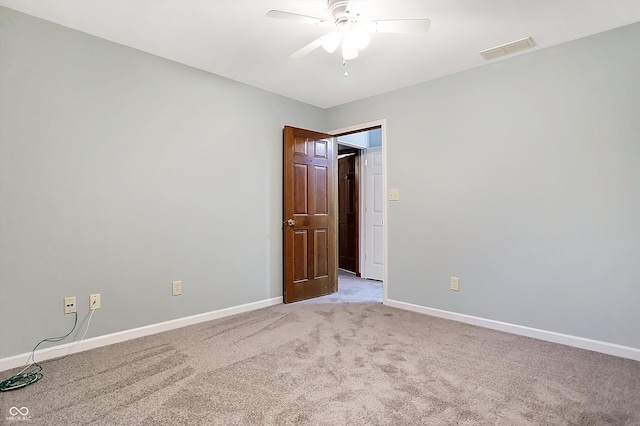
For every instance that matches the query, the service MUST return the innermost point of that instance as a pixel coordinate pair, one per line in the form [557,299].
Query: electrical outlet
[176,288]
[455,283]
[69,305]
[94,301]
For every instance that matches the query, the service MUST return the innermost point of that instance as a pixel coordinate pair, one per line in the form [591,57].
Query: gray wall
[522,178]
[121,172]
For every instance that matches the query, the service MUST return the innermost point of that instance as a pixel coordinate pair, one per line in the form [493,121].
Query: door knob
[291,222]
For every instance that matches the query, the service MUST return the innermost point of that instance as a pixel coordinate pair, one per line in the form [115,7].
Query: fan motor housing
[337,8]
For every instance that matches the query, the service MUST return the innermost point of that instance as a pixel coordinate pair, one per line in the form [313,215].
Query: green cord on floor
[27,378]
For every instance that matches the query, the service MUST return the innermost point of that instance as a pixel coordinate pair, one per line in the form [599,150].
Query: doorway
[310,245]
[361,206]
[349,209]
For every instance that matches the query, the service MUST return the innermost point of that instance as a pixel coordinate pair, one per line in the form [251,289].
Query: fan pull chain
[346,72]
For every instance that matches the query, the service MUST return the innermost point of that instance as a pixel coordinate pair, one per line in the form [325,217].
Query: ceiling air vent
[507,49]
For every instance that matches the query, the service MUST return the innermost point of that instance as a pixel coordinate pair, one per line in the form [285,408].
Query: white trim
[383,125]
[350,144]
[385,214]
[122,336]
[362,223]
[357,127]
[549,336]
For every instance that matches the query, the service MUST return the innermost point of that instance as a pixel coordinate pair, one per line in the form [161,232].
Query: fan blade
[279,14]
[400,26]
[307,49]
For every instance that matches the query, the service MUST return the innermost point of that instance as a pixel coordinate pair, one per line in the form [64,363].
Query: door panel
[301,270]
[321,149]
[321,196]
[321,252]
[300,184]
[377,246]
[309,229]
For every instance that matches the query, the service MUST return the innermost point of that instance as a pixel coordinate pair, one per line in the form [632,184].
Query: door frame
[382,123]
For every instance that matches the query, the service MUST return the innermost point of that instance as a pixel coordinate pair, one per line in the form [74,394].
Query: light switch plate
[394,195]
[176,288]
[455,283]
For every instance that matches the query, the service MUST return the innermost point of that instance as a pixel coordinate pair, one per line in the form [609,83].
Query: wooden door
[348,214]
[309,223]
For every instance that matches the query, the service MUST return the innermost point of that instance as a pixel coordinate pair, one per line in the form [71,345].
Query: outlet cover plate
[69,305]
[94,301]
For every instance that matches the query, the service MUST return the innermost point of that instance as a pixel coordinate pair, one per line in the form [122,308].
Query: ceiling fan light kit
[352,36]
[349,52]
[353,32]
[358,37]
[331,41]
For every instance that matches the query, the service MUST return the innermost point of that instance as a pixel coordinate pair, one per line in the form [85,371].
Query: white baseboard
[549,336]
[121,336]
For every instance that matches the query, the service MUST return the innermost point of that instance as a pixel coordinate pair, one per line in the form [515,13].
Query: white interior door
[374,237]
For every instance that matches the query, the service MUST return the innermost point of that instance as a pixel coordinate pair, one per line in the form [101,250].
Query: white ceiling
[234,38]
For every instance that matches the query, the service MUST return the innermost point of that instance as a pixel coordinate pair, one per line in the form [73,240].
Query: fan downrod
[337,8]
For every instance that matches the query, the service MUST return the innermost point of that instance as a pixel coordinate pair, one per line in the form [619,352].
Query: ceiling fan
[351,30]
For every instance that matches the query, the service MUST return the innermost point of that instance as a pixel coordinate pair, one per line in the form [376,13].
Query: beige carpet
[339,360]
